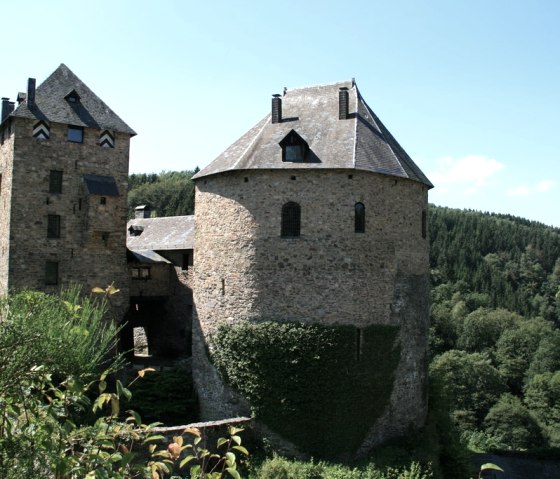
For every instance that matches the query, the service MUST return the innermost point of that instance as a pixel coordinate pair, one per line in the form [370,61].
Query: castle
[316,216]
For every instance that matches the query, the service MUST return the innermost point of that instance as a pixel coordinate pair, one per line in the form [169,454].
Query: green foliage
[170,193]
[301,379]
[512,425]
[67,333]
[542,398]
[281,468]
[482,328]
[165,396]
[64,425]
[517,347]
[470,383]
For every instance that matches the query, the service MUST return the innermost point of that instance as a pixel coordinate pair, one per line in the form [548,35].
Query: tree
[542,398]
[516,348]
[469,381]
[482,328]
[512,425]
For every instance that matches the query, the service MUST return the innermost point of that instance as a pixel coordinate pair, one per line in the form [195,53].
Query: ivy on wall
[321,387]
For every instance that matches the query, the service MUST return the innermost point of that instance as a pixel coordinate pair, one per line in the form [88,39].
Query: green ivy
[310,383]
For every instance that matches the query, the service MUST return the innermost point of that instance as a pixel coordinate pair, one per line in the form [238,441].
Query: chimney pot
[276,108]
[31,92]
[142,211]
[343,103]
[7,108]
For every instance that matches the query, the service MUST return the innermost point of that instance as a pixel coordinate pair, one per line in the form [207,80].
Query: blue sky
[471,89]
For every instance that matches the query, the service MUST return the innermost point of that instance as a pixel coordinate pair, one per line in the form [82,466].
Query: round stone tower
[317,216]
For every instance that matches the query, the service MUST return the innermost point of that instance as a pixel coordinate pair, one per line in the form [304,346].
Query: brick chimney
[7,108]
[276,108]
[343,103]
[142,211]
[31,92]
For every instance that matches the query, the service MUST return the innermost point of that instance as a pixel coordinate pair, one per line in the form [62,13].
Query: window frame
[53,226]
[55,182]
[72,128]
[359,217]
[290,226]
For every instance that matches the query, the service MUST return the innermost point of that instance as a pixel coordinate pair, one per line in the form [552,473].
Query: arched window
[359,218]
[291,220]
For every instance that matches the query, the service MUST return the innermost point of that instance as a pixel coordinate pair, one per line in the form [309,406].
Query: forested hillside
[495,337]
[169,193]
[494,340]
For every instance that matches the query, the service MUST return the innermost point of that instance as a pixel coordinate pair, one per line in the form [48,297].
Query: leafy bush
[68,334]
[301,379]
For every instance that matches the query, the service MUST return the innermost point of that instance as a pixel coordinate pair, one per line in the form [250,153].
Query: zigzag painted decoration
[41,131]
[106,140]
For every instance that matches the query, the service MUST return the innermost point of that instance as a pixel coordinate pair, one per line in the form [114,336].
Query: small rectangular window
[51,272]
[140,273]
[424,224]
[55,182]
[75,134]
[53,226]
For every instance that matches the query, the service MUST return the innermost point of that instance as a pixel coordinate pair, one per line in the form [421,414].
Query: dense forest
[494,338]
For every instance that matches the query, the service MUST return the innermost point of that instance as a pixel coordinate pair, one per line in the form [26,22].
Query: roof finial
[285,90]
[353,82]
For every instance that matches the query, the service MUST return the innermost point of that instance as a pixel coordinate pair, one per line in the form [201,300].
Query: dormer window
[72,97]
[135,230]
[294,147]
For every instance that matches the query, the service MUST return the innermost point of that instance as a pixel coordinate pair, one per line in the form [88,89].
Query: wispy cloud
[541,187]
[468,173]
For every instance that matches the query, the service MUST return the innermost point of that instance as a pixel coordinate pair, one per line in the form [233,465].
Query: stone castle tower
[316,216]
[64,175]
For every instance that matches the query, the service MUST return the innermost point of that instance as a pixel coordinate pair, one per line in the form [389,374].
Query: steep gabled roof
[161,234]
[360,141]
[52,104]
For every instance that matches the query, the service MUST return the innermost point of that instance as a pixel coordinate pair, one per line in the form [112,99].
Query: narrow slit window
[55,182]
[291,220]
[359,218]
[51,273]
[53,226]
[424,224]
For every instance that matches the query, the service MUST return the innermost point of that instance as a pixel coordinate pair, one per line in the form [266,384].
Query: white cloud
[469,172]
[545,185]
[523,190]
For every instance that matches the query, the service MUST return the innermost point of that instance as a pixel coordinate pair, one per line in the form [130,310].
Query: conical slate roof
[360,141]
[51,104]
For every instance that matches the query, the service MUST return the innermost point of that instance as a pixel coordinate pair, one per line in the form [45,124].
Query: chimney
[142,211]
[343,103]
[7,108]
[21,97]
[31,92]
[276,108]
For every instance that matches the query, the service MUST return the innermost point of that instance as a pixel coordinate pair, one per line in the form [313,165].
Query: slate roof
[101,185]
[51,105]
[360,142]
[162,234]
[148,257]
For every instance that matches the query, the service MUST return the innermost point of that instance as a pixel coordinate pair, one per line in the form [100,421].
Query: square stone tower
[63,184]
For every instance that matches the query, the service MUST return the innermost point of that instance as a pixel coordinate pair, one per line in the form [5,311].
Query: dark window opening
[424,225]
[291,220]
[51,272]
[294,153]
[105,238]
[102,200]
[53,226]
[75,134]
[359,218]
[359,344]
[140,273]
[55,182]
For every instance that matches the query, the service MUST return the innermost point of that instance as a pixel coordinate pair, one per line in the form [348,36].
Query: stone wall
[91,250]
[6,163]
[330,274]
